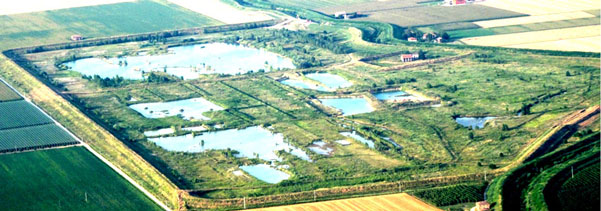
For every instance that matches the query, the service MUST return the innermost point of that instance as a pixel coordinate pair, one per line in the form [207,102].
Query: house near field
[345,15]
[409,57]
[454,2]
[76,37]
[412,39]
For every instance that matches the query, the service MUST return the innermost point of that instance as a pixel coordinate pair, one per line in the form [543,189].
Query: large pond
[266,173]
[349,106]
[251,142]
[359,138]
[188,109]
[473,122]
[394,95]
[185,61]
[331,81]
[304,85]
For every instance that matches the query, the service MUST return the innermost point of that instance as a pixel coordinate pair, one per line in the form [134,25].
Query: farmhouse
[412,39]
[345,15]
[76,37]
[453,2]
[409,57]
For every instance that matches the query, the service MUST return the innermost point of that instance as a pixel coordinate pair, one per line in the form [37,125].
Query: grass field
[542,7]
[533,19]
[529,27]
[28,6]
[312,4]
[16,114]
[588,44]
[402,201]
[7,94]
[34,137]
[223,12]
[409,13]
[535,36]
[98,21]
[65,179]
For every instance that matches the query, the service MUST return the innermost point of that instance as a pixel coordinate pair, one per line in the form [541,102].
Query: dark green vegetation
[65,179]
[537,184]
[113,19]
[20,114]
[7,94]
[579,192]
[34,137]
[454,194]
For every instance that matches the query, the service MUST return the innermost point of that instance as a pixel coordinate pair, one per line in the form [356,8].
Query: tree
[505,127]
[470,135]
[568,74]
[445,36]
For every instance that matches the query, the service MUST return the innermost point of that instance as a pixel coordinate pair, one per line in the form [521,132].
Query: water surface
[349,106]
[331,81]
[356,136]
[185,61]
[160,132]
[394,95]
[473,122]
[189,109]
[265,173]
[321,148]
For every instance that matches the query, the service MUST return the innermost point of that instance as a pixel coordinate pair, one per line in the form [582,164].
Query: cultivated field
[223,12]
[402,201]
[28,6]
[543,7]
[65,179]
[34,137]
[103,20]
[587,44]
[312,4]
[533,19]
[17,114]
[7,94]
[526,38]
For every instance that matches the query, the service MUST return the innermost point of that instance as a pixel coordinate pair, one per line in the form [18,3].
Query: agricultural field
[17,114]
[581,189]
[65,179]
[29,6]
[7,94]
[34,137]
[96,21]
[224,12]
[401,201]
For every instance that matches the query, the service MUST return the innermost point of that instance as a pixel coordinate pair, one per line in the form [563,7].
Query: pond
[331,81]
[304,85]
[189,109]
[473,122]
[394,95]
[251,142]
[160,132]
[265,173]
[349,106]
[356,136]
[185,61]
[321,148]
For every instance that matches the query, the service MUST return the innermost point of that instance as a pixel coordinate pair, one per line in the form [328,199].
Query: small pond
[394,95]
[194,129]
[356,136]
[265,173]
[304,85]
[160,132]
[250,142]
[189,109]
[349,106]
[321,148]
[185,61]
[473,122]
[331,81]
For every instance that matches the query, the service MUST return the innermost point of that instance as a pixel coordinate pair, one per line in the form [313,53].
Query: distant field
[560,24]
[312,4]
[581,190]
[534,19]
[7,94]
[535,36]
[27,6]
[223,12]
[34,137]
[588,44]
[401,201]
[63,179]
[103,20]
[410,13]
[541,7]
[16,114]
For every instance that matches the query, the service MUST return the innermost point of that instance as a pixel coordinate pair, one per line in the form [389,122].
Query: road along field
[65,179]
[401,201]
[223,12]
[527,38]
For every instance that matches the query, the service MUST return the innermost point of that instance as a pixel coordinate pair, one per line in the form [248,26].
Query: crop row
[7,94]
[584,186]
[34,137]
[454,194]
[15,114]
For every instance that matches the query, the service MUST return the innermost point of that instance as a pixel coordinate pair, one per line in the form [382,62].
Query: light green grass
[459,34]
[60,179]
[96,21]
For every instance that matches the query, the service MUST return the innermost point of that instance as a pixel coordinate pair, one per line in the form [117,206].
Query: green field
[581,192]
[7,94]
[21,30]
[16,114]
[34,137]
[65,179]
[312,4]
[459,34]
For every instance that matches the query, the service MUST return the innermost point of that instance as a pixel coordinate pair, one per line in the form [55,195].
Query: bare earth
[8,7]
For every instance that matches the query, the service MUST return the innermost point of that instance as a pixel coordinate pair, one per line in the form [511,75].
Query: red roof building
[412,39]
[409,57]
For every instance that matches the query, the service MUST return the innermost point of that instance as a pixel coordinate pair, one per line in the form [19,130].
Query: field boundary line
[104,160]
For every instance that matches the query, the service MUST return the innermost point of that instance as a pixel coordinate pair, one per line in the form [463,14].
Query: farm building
[454,2]
[76,37]
[345,15]
[409,57]
[412,39]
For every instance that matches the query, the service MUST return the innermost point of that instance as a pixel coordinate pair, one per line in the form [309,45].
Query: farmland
[16,114]
[401,201]
[579,190]
[98,21]
[7,94]
[34,137]
[65,179]
[223,12]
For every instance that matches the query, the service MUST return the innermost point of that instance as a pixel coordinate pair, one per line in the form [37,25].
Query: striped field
[401,202]
[34,137]
[533,19]
[7,94]
[17,114]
